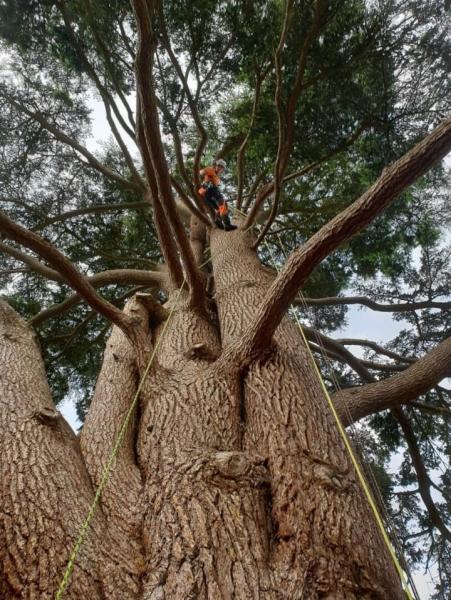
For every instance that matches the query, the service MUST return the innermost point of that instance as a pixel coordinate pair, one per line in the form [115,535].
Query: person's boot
[219,222]
[227,224]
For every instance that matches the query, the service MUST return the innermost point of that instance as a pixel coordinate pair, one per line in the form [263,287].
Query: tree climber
[212,195]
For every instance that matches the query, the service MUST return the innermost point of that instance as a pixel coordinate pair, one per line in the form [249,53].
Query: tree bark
[205,527]
[324,543]
[232,482]
[45,489]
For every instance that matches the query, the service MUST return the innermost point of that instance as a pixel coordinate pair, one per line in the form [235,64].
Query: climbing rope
[410,593]
[394,538]
[109,465]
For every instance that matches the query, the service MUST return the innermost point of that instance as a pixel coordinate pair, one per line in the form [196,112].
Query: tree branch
[259,78]
[191,102]
[399,307]
[73,143]
[268,189]
[115,276]
[98,208]
[103,91]
[144,12]
[424,374]
[286,120]
[330,344]
[339,230]
[377,348]
[70,273]
[424,481]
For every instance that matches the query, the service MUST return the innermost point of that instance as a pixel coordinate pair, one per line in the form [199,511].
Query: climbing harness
[109,465]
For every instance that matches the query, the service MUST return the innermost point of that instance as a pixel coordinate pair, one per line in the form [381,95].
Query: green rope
[108,467]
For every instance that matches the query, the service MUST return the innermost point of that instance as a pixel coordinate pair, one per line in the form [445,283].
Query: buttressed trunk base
[232,482]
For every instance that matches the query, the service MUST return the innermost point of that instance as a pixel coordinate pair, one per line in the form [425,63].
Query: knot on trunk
[201,351]
[235,469]
[51,417]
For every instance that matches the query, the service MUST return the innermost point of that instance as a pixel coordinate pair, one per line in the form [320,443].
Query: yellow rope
[107,469]
[352,456]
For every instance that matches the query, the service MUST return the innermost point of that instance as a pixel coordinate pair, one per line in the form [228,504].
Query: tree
[232,479]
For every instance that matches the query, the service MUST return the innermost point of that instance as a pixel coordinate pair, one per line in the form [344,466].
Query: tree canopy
[309,102]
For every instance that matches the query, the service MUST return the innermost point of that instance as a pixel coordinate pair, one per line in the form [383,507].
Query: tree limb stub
[69,271]
[420,377]
[339,230]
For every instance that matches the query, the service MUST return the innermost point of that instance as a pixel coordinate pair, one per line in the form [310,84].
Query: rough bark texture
[45,489]
[230,484]
[121,500]
[205,532]
[315,500]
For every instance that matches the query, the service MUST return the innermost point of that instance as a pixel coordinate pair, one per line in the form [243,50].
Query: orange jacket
[210,176]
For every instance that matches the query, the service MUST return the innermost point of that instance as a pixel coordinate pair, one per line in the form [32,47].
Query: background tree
[232,480]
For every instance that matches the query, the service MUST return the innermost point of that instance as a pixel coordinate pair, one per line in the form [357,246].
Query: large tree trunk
[231,483]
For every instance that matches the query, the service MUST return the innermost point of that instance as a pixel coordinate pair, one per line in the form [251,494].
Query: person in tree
[212,195]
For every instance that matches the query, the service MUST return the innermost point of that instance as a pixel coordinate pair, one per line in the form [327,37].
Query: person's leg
[214,199]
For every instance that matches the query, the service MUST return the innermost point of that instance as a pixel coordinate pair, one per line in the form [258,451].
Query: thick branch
[399,389]
[424,482]
[339,230]
[167,245]
[68,270]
